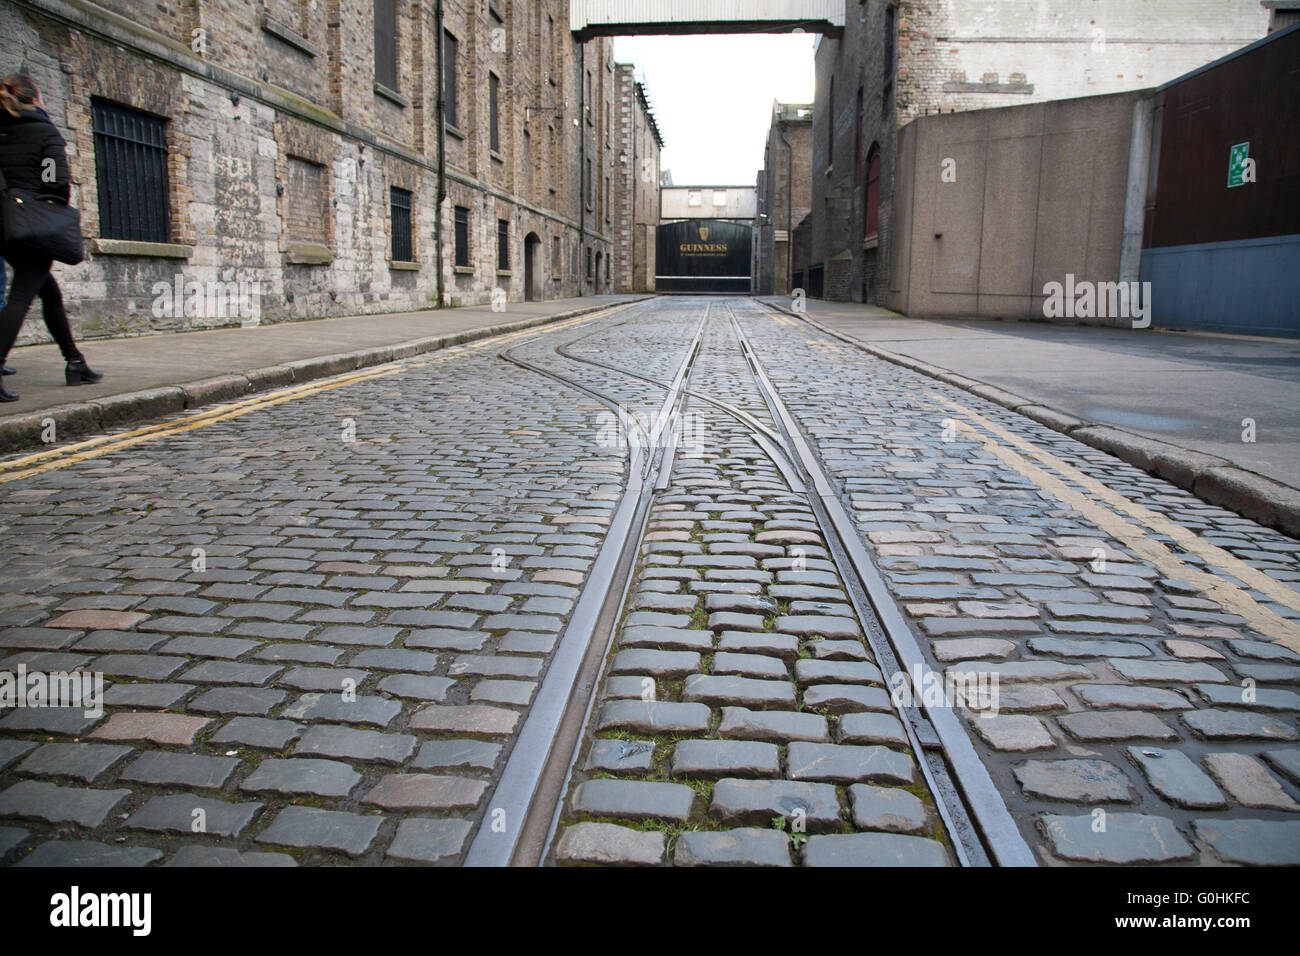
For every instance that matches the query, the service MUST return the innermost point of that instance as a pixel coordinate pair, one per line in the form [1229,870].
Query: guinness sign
[712,255]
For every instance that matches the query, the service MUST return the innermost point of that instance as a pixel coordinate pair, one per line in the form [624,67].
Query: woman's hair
[17,93]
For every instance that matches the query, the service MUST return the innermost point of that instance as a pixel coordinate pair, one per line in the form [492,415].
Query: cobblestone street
[326,615]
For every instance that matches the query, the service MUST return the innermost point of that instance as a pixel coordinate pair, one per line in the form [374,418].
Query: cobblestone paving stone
[322,623]
[317,644]
[707,746]
[1130,697]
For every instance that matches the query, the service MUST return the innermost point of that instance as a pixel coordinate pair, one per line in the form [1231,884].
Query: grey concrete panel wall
[1038,194]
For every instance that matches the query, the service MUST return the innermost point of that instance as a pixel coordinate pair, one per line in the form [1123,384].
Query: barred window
[399,205]
[131,171]
[462,236]
[503,244]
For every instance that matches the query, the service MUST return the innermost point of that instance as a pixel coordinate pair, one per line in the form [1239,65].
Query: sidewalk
[1169,402]
[154,375]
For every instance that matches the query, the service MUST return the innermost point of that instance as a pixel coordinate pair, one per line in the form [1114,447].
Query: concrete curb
[77,419]
[1215,480]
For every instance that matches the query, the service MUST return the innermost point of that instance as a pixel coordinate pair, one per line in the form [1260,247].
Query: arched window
[872,204]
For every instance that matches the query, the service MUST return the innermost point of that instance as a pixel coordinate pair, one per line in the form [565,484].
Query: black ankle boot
[79,373]
[5,370]
[7,396]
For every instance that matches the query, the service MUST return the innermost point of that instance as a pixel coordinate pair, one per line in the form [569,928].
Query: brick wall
[245,85]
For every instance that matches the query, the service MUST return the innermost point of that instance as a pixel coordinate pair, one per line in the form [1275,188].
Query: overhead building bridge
[592,18]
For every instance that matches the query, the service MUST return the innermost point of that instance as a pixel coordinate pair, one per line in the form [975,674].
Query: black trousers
[32,278]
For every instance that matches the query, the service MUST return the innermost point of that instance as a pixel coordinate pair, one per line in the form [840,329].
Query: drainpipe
[582,169]
[632,189]
[789,212]
[1135,193]
[442,156]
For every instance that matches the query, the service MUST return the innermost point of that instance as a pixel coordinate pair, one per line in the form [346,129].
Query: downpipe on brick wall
[582,169]
[442,155]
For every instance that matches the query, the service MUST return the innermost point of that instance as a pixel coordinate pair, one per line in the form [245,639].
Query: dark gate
[703,255]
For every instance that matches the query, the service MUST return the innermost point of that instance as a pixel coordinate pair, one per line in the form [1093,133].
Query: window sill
[497,157]
[454,132]
[130,247]
[391,95]
[871,242]
[286,34]
[830,169]
[401,265]
[504,273]
[463,270]
[308,254]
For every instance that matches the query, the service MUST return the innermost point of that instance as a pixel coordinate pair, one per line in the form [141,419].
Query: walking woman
[28,140]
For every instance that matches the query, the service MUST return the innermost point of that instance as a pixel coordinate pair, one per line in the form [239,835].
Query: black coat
[26,141]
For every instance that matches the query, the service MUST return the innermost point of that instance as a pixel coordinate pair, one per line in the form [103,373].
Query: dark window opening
[399,205]
[462,237]
[830,128]
[494,116]
[890,44]
[386,43]
[450,47]
[503,245]
[131,171]
[857,140]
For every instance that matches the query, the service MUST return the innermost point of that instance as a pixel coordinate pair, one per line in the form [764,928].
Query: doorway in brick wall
[532,249]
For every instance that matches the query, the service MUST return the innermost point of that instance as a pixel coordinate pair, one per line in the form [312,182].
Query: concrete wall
[959,55]
[701,202]
[1039,194]
[304,75]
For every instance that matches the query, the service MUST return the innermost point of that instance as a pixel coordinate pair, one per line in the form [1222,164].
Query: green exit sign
[1241,168]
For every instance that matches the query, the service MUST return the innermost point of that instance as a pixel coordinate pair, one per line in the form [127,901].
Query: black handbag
[43,224]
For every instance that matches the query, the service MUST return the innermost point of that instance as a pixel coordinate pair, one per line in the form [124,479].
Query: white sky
[712,96]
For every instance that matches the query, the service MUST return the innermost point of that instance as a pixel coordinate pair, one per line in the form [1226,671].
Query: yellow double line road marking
[55,458]
[1226,594]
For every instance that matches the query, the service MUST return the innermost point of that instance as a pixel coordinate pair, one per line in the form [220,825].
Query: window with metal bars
[503,245]
[462,237]
[399,205]
[386,43]
[450,46]
[131,171]
[494,115]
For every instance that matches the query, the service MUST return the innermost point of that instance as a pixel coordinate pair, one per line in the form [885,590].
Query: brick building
[902,59]
[636,186]
[323,157]
[784,195]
